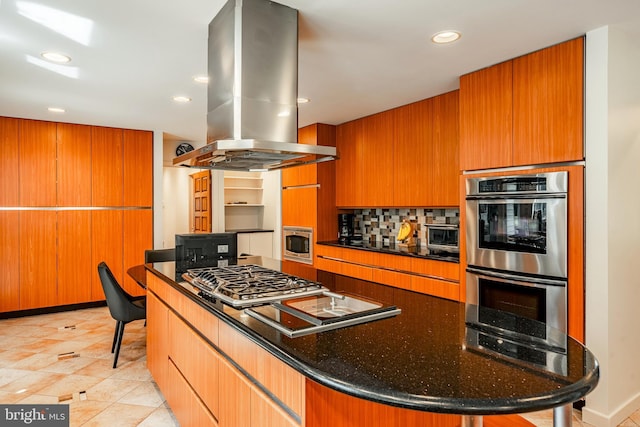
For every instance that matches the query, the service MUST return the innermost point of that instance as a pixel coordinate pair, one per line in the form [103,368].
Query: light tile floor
[66,358]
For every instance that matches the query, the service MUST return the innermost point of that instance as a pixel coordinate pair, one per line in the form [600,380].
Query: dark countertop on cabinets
[424,358]
[393,249]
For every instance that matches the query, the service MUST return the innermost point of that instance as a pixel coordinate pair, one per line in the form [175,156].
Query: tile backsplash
[383,224]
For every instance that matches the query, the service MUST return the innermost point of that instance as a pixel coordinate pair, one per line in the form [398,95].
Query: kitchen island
[423,367]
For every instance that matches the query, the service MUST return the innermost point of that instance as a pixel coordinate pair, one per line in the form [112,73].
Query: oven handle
[516,278]
[530,196]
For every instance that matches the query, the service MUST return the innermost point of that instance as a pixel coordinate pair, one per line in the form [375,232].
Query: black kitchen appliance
[205,250]
[345,227]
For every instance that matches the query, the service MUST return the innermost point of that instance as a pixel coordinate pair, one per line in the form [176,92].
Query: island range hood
[252,119]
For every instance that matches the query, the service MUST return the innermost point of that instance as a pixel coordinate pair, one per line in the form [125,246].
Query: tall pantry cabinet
[71,196]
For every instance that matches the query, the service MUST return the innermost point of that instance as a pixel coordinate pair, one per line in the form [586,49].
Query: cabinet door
[486,111]
[378,161]
[137,237]
[235,395]
[548,88]
[37,259]
[9,161]
[412,151]
[303,175]
[37,163]
[138,168]
[158,341]
[443,170]
[264,413]
[106,245]
[106,166]
[299,206]
[349,165]
[74,165]
[9,260]
[74,257]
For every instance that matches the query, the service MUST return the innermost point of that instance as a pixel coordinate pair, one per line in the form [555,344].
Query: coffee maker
[345,227]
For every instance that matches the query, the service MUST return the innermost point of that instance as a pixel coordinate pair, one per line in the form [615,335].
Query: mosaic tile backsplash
[382,225]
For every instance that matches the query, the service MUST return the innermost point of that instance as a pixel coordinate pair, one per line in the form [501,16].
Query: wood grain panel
[236,397]
[107,176]
[438,288]
[74,257]
[137,237]
[298,269]
[37,163]
[106,245]
[264,413]
[303,175]
[74,165]
[157,340]
[443,169]
[412,149]
[9,161]
[38,284]
[548,99]
[349,178]
[9,260]
[429,267]
[185,404]
[195,315]
[198,366]
[326,407]
[138,167]
[299,207]
[326,215]
[486,110]
[378,160]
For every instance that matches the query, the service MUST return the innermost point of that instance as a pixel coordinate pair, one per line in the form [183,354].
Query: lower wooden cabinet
[37,259]
[157,340]
[186,405]
[10,261]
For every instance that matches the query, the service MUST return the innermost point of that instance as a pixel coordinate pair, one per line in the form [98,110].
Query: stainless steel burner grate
[247,285]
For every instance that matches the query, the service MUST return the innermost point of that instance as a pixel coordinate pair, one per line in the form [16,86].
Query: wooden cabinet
[349,176]
[9,162]
[74,257]
[378,160]
[73,165]
[37,163]
[9,260]
[525,111]
[184,402]
[37,259]
[442,167]
[107,176]
[235,410]
[137,231]
[106,245]
[299,206]
[138,168]
[157,340]
[548,91]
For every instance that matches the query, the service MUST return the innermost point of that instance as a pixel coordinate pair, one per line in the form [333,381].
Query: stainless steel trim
[293,256]
[514,277]
[313,329]
[557,182]
[295,187]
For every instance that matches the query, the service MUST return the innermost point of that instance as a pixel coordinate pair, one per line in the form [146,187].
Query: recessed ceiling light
[284,113]
[56,109]
[302,100]
[56,57]
[201,79]
[447,36]
[182,99]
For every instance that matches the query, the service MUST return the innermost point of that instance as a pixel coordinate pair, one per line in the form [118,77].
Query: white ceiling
[357,57]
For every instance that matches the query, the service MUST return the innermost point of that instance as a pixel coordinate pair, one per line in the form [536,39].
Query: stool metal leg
[471,421]
[563,416]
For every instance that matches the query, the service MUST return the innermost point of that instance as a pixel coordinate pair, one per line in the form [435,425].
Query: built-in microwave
[298,244]
[443,237]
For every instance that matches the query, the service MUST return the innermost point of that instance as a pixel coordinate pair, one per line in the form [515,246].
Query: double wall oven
[516,229]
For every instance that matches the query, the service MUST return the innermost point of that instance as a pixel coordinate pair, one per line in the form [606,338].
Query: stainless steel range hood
[252,120]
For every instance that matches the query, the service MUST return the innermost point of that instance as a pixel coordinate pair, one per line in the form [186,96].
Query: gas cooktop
[249,285]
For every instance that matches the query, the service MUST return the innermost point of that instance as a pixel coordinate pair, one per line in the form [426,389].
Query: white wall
[175,206]
[612,227]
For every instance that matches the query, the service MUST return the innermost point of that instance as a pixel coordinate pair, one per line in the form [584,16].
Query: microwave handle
[512,277]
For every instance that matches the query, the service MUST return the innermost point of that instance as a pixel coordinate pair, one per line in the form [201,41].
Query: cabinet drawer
[438,288]
[184,403]
[436,269]
[392,278]
[198,365]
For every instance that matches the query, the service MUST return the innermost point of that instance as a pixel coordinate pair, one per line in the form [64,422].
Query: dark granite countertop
[424,358]
[393,249]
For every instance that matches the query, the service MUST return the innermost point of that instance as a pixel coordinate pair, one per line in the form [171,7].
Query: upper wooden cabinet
[9,162]
[526,111]
[74,165]
[37,162]
[107,178]
[548,100]
[407,156]
[138,168]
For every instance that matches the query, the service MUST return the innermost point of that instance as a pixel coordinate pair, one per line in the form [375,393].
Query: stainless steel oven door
[528,309]
[525,235]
